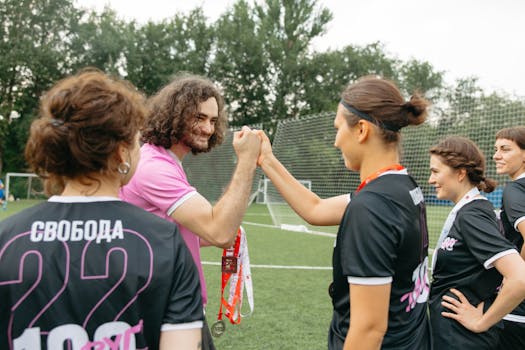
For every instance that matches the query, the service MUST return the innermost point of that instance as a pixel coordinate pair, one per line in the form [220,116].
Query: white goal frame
[8,177]
[262,189]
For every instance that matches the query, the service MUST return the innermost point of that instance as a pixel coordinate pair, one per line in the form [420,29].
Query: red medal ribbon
[378,173]
[231,265]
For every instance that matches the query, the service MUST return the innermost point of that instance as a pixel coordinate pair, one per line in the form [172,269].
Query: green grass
[292,307]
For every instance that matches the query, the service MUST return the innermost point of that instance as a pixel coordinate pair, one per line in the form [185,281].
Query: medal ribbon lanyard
[236,269]
[394,167]
[472,195]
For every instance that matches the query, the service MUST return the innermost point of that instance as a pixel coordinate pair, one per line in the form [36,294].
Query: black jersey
[93,272]
[383,239]
[512,213]
[464,262]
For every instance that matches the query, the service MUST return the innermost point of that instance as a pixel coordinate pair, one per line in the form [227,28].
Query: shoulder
[140,215]
[514,189]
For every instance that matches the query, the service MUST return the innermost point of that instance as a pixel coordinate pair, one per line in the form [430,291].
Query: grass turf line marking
[316,233]
[276,266]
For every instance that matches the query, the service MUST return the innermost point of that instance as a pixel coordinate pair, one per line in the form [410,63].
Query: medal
[229,264]
[218,328]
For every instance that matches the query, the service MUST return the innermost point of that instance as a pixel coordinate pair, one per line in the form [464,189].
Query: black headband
[362,115]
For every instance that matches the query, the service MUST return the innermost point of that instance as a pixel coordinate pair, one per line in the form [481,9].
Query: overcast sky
[483,38]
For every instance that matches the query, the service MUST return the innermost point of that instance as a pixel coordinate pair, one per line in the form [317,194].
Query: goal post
[22,185]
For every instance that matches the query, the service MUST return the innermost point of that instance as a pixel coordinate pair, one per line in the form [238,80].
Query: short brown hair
[381,99]
[82,121]
[516,134]
[176,105]
[461,153]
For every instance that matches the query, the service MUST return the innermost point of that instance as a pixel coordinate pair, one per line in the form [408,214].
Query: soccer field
[291,272]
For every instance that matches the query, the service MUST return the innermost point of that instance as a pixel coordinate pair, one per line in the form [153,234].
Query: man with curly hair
[188,115]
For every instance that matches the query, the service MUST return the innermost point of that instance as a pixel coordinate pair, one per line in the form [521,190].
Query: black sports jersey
[93,273]
[512,212]
[383,239]
[464,262]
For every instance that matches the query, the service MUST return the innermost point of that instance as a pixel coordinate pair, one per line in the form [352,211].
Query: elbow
[223,241]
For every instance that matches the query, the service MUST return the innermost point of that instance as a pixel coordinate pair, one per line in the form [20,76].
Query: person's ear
[364,130]
[462,174]
[122,153]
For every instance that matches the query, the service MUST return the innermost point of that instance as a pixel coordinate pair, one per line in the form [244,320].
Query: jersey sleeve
[368,244]
[165,185]
[480,231]
[185,309]
[514,203]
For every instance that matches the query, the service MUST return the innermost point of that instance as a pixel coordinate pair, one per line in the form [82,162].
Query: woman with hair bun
[471,256]
[380,284]
[85,270]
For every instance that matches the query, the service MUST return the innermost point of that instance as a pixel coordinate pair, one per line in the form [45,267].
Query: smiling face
[445,179]
[509,158]
[346,140]
[202,128]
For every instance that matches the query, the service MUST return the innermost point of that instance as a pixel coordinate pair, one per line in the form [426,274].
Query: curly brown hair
[461,153]
[83,119]
[174,108]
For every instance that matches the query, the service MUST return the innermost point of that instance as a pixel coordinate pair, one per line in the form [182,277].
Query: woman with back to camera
[471,255]
[509,157]
[380,254]
[85,270]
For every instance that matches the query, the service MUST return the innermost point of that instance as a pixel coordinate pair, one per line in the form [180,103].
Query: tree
[156,51]
[287,29]
[240,65]
[35,36]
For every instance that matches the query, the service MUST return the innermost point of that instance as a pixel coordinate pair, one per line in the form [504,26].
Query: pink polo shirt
[160,186]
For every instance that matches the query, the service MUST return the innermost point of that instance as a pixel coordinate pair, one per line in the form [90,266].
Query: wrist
[480,326]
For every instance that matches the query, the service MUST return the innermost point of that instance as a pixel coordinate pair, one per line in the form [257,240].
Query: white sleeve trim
[490,262]
[180,202]
[518,222]
[515,318]
[369,281]
[181,326]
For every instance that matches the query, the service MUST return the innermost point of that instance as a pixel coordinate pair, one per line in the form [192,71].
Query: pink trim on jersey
[159,186]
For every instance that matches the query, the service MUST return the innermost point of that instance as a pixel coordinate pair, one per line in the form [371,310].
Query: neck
[517,174]
[101,186]
[372,164]
[180,150]
[463,191]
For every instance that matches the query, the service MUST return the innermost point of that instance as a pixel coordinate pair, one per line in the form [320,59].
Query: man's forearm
[229,210]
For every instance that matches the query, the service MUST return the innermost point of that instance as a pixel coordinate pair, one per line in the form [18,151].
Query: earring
[124,168]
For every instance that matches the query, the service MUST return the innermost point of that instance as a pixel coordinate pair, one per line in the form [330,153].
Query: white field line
[276,266]
[316,233]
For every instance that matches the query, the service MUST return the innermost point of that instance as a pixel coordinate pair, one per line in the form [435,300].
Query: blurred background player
[188,115]
[471,254]
[509,157]
[84,269]
[380,285]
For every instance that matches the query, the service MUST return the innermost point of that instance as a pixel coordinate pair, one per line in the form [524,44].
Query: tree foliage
[259,53]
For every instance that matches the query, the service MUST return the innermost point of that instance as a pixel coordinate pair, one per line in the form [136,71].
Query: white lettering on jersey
[76,230]
[417,195]
[111,335]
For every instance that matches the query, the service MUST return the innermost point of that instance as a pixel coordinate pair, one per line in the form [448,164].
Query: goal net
[211,172]
[305,146]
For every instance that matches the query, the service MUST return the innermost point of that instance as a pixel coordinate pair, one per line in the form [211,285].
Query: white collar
[82,199]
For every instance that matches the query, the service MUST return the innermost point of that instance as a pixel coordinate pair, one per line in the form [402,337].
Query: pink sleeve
[163,184]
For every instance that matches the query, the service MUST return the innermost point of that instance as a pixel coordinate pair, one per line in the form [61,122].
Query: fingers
[451,306]
[450,315]
[458,294]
